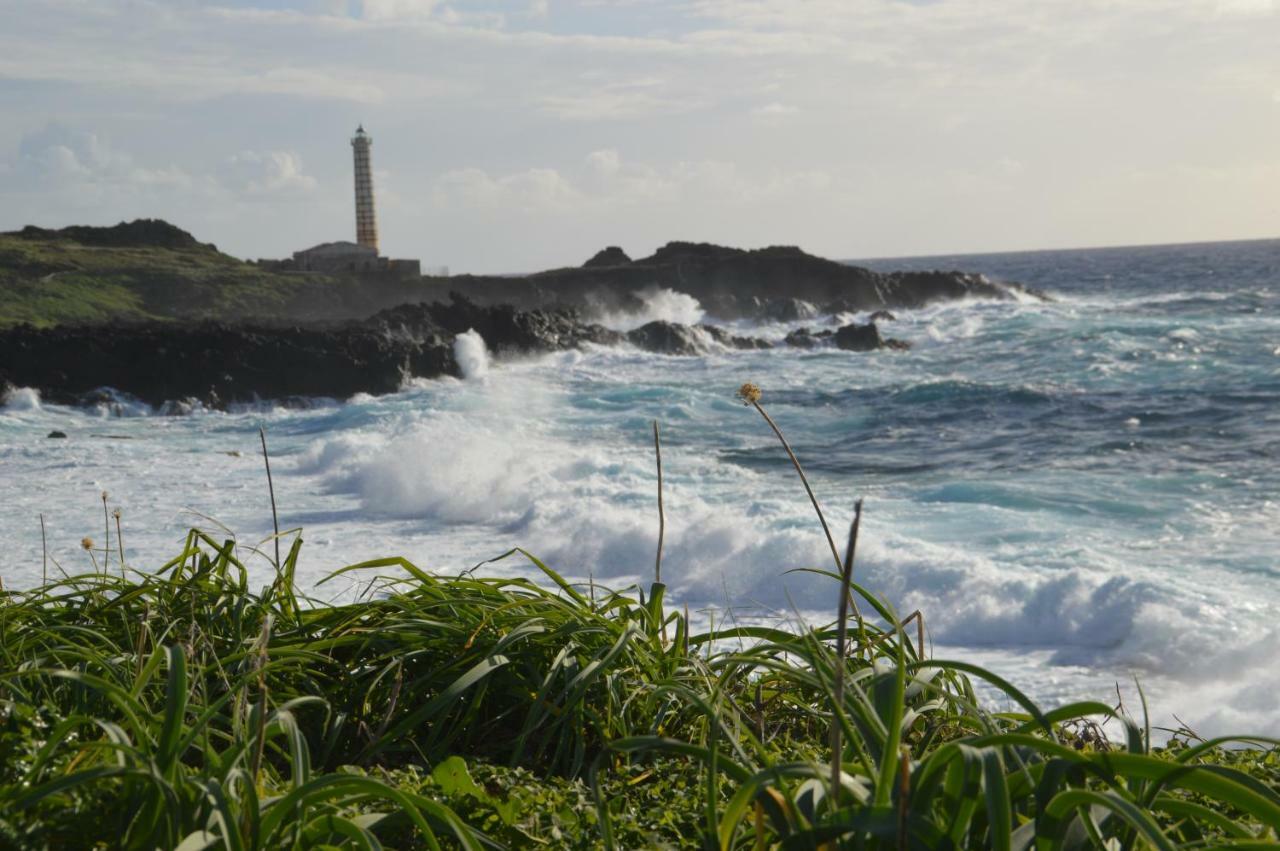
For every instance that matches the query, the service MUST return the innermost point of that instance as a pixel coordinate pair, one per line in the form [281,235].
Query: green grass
[48,282]
[185,708]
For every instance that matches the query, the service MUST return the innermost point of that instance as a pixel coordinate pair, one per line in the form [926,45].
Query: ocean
[1081,494]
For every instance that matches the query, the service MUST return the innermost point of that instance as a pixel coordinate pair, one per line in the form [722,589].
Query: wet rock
[213,363]
[505,330]
[669,338]
[673,338]
[882,316]
[865,338]
[61,435]
[804,338]
[733,341]
[785,309]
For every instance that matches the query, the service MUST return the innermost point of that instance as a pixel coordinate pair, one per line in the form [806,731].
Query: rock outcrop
[780,283]
[504,329]
[864,338]
[150,269]
[607,257]
[214,363]
[851,337]
[139,233]
[673,338]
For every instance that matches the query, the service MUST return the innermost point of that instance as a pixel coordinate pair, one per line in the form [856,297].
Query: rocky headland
[781,283]
[146,309]
[218,363]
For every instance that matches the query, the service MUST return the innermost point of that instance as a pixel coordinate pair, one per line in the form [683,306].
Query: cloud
[258,173]
[1250,8]
[384,10]
[627,99]
[852,126]
[531,190]
[59,161]
[606,180]
[774,110]
[58,155]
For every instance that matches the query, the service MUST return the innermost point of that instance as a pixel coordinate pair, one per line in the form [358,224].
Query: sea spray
[20,399]
[472,356]
[657,304]
[1009,495]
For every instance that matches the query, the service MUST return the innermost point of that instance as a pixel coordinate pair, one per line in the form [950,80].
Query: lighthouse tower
[366,222]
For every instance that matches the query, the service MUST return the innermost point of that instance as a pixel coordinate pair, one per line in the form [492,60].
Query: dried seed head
[116,513]
[749,393]
[104,496]
[86,543]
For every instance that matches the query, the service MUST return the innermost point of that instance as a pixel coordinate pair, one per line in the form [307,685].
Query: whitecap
[470,353]
[658,303]
[21,399]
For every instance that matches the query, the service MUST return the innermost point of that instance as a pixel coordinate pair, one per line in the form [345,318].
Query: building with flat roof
[350,258]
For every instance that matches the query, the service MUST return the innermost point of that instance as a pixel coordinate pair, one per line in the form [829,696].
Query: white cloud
[607,180]
[604,162]
[59,155]
[774,110]
[266,173]
[852,126]
[621,100]
[531,190]
[384,10]
[1246,7]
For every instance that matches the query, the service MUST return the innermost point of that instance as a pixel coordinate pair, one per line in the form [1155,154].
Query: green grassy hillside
[52,279]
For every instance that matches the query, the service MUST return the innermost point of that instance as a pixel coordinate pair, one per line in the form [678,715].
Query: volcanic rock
[505,330]
[673,338]
[803,338]
[214,363]
[733,341]
[865,338]
[669,338]
[784,309]
[607,257]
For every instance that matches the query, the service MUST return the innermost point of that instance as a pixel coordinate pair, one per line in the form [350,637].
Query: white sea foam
[21,399]
[470,353]
[1068,572]
[659,303]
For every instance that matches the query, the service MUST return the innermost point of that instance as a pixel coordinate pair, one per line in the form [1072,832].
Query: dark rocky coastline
[175,324]
[217,364]
[730,283]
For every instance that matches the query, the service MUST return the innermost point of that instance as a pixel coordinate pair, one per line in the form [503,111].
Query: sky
[514,135]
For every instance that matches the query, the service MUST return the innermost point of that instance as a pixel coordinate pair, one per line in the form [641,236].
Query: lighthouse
[366,222]
[358,259]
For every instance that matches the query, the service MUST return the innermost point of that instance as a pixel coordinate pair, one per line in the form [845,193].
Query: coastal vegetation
[189,708]
[157,273]
[186,709]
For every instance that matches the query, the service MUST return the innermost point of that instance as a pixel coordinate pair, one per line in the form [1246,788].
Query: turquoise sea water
[1076,492]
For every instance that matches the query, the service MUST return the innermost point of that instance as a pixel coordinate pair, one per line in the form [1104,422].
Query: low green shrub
[184,709]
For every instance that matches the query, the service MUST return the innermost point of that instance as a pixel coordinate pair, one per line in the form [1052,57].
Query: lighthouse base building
[338,258]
